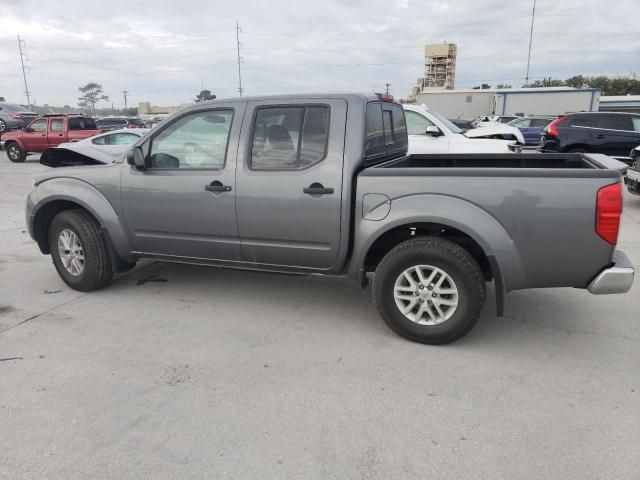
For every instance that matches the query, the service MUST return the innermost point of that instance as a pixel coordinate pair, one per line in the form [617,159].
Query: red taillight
[16,116]
[608,212]
[552,128]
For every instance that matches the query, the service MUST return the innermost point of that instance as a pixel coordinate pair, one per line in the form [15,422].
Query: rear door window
[636,123]
[289,138]
[615,122]
[57,125]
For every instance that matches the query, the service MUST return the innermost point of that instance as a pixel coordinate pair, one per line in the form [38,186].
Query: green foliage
[609,85]
[204,95]
[92,93]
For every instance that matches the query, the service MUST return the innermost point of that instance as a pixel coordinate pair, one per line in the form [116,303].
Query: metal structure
[239,45]
[440,65]
[24,71]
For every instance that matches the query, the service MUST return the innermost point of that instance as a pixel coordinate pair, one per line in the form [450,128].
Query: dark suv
[614,134]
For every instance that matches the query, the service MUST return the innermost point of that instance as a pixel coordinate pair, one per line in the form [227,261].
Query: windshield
[447,123]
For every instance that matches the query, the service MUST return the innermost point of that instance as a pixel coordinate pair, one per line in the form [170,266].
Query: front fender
[86,196]
[453,212]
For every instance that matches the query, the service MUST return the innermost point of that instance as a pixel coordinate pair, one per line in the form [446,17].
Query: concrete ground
[216,374]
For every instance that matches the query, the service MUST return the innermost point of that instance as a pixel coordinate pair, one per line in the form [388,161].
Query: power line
[238,45]
[24,73]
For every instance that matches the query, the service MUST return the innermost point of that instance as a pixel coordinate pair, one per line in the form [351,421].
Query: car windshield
[447,123]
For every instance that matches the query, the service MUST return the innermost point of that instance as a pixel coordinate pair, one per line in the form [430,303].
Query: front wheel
[3,126]
[78,251]
[429,290]
[15,153]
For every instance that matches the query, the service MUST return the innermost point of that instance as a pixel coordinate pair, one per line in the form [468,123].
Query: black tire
[16,153]
[456,263]
[97,271]
[3,126]
[577,150]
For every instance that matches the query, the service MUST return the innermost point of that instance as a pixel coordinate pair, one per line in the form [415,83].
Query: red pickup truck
[46,132]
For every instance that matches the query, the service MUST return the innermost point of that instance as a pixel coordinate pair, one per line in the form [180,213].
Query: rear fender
[453,212]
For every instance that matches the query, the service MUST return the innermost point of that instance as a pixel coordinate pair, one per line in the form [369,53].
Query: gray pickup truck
[322,184]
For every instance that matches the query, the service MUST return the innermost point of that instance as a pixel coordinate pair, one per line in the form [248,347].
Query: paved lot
[217,374]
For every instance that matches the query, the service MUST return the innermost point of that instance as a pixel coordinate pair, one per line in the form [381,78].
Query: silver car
[14,116]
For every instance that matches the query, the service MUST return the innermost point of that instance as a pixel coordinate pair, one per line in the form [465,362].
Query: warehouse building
[622,103]
[473,103]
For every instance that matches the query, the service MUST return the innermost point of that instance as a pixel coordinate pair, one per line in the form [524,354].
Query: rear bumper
[616,279]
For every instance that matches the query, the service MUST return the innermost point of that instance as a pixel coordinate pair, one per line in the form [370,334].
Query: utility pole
[533,17]
[24,74]
[124,94]
[239,57]
[387,85]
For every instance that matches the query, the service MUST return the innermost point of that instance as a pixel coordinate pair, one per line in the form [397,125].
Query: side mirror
[433,131]
[136,158]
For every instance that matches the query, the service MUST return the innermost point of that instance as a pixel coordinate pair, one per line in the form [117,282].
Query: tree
[484,86]
[204,95]
[546,82]
[503,85]
[91,94]
[2,99]
[577,81]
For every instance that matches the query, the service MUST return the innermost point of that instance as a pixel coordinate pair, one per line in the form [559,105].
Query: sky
[164,51]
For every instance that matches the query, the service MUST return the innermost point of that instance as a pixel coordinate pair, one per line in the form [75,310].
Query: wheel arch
[48,200]
[458,221]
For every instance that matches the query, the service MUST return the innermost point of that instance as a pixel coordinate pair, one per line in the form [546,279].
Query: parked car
[531,127]
[14,116]
[487,120]
[430,132]
[611,133]
[100,149]
[633,172]
[322,184]
[114,123]
[46,132]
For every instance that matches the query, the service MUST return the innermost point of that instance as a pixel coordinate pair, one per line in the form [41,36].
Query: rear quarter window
[385,132]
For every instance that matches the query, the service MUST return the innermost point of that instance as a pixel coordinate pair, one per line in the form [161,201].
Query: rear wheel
[429,290]
[3,126]
[15,153]
[78,251]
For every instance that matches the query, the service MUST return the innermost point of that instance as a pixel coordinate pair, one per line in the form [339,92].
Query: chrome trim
[615,279]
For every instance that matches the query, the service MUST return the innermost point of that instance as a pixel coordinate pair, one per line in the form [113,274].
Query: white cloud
[161,51]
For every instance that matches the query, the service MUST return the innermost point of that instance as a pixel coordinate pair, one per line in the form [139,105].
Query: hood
[80,173]
[497,129]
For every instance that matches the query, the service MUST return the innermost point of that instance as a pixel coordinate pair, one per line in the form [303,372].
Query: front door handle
[217,186]
[317,189]
[600,136]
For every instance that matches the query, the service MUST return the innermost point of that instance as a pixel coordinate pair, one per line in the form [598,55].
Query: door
[419,141]
[183,204]
[34,137]
[616,134]
[55,135]
[289,195]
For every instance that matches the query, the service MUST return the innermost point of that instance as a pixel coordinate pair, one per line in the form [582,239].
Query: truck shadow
[532,317]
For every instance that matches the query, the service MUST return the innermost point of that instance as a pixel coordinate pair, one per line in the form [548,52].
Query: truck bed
[560,161]
[538,210]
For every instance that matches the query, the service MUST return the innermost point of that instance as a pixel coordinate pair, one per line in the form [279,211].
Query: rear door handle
[217,186]
[317,189]
[600,136]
